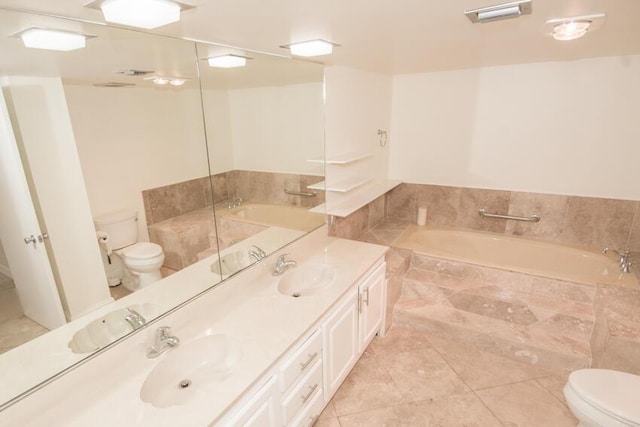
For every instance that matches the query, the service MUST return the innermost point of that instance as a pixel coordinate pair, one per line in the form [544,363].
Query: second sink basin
[190,369]
[231,263]
[306,279]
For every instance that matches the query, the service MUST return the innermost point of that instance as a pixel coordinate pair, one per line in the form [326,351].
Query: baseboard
[5,270]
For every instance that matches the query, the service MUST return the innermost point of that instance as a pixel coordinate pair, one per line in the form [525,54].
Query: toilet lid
[142,250]
[613,392]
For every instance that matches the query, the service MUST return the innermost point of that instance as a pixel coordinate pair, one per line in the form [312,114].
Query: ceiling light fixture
[310,48]
[570,30]
[147,14]
[227,61]
[60,40]
[499,11]
[573,27]
[163,80]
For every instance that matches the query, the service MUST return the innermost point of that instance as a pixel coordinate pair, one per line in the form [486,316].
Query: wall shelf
[343,186]
[349,205]
[344,159]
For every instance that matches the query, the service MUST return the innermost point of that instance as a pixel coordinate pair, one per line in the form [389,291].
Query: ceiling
[394,37]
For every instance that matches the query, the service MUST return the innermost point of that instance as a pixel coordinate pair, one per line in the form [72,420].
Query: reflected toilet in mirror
[118,234]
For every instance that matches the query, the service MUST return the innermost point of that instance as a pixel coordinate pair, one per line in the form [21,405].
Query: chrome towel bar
[532,218]
[300,193]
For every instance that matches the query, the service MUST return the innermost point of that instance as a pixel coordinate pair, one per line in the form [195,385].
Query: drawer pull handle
[306,397]
[304,365]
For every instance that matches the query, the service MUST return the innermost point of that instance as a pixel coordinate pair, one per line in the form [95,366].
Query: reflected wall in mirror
[84,133]
[114,134]
[265,134]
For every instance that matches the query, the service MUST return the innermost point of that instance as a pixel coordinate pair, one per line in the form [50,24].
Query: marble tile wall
[574,220]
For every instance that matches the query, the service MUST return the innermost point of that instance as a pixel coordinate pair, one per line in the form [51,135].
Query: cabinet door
[340,344]
[372,294]
[261,410]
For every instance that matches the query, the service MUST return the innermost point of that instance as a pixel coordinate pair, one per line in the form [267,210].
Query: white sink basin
[306,279]
[110,327]
[233,262]
[190,369]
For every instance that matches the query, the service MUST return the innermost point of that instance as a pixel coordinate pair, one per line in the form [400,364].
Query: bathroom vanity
[259,350]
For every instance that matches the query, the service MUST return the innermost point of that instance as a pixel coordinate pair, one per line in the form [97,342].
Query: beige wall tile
[442,203]
[493,201]
[377,210]
[352,226]
[402,202]
[550,208]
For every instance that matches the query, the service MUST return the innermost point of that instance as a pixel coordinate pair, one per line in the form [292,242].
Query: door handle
[30,239]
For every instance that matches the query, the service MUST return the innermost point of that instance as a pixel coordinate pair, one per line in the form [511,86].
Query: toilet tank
[121,226]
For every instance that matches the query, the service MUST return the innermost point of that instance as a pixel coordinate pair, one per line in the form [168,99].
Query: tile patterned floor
[15,327]
[410,379]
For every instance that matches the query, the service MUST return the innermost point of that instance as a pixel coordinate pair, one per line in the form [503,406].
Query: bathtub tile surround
[180,216]
[473,388]
[574,220]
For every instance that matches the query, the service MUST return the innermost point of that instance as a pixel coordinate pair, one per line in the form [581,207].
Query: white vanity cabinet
[303,381]
[350,328]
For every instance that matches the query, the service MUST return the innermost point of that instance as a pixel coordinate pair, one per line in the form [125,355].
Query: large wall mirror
[130,185]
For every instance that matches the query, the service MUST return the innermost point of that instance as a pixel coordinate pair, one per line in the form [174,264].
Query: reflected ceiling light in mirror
[227,61]
[310,48]
[60,40]
[573,28]
[163,80]
[147,14]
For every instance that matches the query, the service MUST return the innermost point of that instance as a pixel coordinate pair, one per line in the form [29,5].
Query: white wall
[133,139]
[358,103]
[277,128]
[4,263]
[218,124]
[563,127]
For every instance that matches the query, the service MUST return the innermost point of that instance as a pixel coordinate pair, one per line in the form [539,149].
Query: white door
[28,262]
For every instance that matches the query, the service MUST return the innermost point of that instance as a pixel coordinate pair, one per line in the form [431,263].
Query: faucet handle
[260,251]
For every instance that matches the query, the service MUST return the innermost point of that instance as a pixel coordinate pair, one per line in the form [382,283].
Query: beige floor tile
[555,385]
[526,404]
[450,411]
[423,374]
[399,339]
[368,386]
[482,370]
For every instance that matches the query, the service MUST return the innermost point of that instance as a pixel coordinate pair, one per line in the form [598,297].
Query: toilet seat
[613,393]
[142,251]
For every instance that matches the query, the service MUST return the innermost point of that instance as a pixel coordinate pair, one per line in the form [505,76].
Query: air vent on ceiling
[114,84]
[499,11]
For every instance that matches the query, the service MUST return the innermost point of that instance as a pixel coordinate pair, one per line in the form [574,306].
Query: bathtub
[292,217]
[516,254]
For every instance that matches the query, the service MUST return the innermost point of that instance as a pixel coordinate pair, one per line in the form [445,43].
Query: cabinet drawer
[309,415]
[301,362]
[303,393]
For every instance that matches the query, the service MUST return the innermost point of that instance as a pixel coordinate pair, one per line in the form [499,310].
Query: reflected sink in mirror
[306,279]
[190,368]
[112,326]
[232,263]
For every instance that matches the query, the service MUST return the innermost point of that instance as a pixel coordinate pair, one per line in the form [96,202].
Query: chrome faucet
[163,342]
[234,202]
[282,265]
[624,259]
[135,319]
[258,254]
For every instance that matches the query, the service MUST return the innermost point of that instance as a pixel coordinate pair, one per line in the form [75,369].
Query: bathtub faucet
[234,202]
[624,261]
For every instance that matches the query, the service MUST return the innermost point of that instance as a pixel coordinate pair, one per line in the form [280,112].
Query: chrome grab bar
[532,218]
[300,193]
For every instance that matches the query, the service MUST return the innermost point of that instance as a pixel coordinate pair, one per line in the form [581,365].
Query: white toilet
[604,398]
[142,259]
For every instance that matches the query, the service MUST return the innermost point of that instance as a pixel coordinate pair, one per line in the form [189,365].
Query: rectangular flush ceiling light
[60,40]
[499,11]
